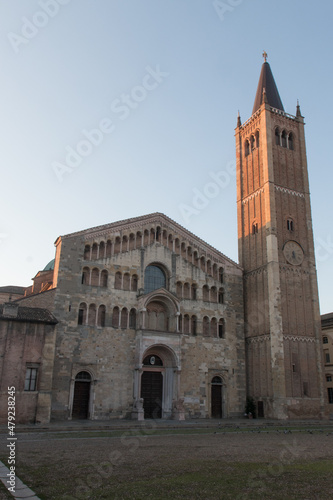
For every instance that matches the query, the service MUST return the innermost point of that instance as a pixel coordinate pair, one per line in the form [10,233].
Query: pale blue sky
[72,72]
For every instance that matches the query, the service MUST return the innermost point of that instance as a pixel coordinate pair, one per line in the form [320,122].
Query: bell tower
[276,251]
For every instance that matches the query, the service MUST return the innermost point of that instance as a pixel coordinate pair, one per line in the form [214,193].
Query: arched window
[154,278]
[186,324]
[290,224]
[284,139]
[179,288]
[205,293]
[82,317]
[115,317]
[221,275]
[108,249]
[205,326]
[186,290]
[138,243]
[124,318]
[221,296]
[117,245]
[209,267]
[118,280]
[146,238]
[180,323]
[203,264]
[215,272]
[124,246]
[94,251]
[252,142]
[254,227]
[95,277]
[101,316]
[257,139]
[92,315]
[132,318]
[126,281]
[221,329]
[193,325]
[134,283]
[291,141]
[170,242]
[85,276]
[101,250]
[277,137]
[132,241]
[104,278]
[194,292]
[213,294]
[247,148]
[213,327]
[86,255]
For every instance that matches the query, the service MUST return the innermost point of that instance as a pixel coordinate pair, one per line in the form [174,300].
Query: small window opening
[290,225]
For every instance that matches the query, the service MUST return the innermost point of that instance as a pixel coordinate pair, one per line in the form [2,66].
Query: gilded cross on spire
[264,55]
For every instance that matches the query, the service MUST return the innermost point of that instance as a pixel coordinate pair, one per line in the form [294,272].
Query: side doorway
[216,397]
[81,397]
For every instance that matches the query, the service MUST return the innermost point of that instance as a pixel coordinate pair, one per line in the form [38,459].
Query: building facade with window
[150,324]
[27,349]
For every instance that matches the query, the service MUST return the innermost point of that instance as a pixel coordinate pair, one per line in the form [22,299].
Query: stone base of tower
[290,408]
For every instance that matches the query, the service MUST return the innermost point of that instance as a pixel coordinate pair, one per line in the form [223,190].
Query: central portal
[152,392]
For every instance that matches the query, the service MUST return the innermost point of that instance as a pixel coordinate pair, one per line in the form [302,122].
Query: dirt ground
[83,465]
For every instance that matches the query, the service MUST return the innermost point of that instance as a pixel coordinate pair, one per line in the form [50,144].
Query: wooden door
[81,399]
[151,392]
[216,401]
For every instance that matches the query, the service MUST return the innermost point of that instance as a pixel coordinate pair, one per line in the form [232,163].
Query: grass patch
[190,479]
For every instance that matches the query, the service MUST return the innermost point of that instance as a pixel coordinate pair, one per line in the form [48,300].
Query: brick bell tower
[276,251]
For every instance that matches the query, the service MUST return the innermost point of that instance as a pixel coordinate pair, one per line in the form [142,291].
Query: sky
[112,109]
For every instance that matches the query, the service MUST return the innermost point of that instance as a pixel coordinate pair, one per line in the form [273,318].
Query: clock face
[293,253]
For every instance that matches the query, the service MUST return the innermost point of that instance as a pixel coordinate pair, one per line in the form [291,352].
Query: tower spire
[267,82]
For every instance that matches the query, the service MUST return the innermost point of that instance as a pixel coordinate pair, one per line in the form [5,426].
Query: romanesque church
[142,319]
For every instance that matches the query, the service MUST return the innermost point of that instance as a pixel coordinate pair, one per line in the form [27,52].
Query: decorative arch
[156,385]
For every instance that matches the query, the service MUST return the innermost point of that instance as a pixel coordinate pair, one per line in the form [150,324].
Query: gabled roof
[154,218]
[267,82]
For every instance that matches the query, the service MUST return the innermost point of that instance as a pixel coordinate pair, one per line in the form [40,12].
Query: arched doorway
[216,397]
[81,395]
[152,386]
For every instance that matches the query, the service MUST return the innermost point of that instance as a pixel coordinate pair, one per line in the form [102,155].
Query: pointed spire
[298,110]
[267,82]
[239,121]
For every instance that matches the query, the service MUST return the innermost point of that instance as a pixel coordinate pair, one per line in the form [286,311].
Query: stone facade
[112,316]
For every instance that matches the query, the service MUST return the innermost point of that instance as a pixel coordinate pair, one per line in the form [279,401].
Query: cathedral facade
[150,321]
